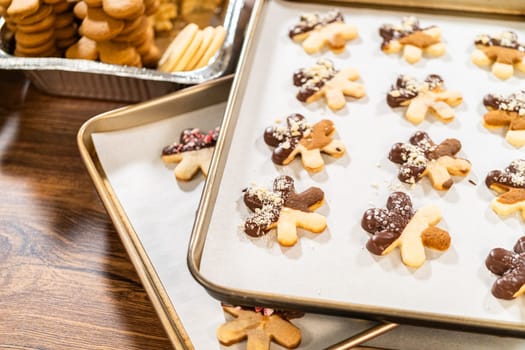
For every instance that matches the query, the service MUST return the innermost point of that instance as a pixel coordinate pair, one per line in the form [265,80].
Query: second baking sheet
[334,270]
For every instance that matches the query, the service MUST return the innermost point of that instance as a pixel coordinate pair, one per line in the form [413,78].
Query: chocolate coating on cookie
[192,139]
[510,266]
[311,80]
[513,103]
[415,155]
[286,138]
[406,88]
[512,176]
[310,21]
[386,225]
[409,26]
[506,39]
[267,205]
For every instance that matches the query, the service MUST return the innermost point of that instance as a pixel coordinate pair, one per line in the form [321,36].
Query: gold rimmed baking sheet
[333,272]
[153,214]
[508,7]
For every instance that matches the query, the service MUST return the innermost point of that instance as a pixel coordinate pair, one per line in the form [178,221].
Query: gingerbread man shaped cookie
[315,32]
[301,138]
[507,111]
[422,157]
[510,266]
[259,329]
[420,97]
[399,226]
[502,51]
[192,152]
[283,209]
[412,39]
[323,79]
[510,183]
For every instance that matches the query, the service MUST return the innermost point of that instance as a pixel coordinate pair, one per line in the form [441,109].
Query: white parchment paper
[162,211]
[335,265]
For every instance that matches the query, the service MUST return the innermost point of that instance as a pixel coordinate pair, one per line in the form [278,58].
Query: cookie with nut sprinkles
[507,112]
[323,80]
[503,53]
[421,157]
[400,225]
[315,32]
[421,97]
[510,186]
[284,209]
[412,39]
[298,137]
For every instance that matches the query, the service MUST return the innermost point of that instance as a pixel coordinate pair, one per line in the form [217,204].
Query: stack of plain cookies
[192,48]
[42,28]
[116,32]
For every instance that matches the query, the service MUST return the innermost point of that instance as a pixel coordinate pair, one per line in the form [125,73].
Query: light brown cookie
[151,58]
[80,10]
[46,49]
[21,9]
[66,32]
[118,53]
[98,26]
[84,48]
[151,7]
[398,225]
[323,80]
[34,39]
[299,137]
[64,19]
[62,7]
[258,329]
[136,36]
[45,24]
[123,9]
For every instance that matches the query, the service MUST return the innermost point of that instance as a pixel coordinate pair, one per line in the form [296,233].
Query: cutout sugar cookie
[399,225]
[323,80]
[317,31]
[507,111]
[510,267]
[298,137]
[503,51]
[259,327]
[412,39]
[510,185]
[193,152]
[422,157]
[283,209]
[421,97]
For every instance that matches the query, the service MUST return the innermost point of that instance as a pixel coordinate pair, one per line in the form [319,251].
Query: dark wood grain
[66,281]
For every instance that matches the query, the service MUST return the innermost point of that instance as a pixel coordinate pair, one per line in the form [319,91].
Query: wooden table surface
[66,281]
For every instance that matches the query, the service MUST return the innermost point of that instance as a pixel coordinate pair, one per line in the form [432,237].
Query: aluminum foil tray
[91,79]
